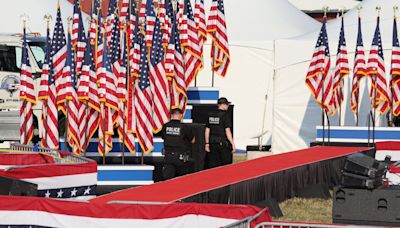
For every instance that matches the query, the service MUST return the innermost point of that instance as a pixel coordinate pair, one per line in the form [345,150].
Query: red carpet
[193,184]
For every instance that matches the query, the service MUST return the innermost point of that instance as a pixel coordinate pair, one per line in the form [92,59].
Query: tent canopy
[295,111]
[253,26]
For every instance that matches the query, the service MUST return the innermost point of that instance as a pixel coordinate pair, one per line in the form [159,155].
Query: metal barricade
[246,222]
[58,158]
[300,225]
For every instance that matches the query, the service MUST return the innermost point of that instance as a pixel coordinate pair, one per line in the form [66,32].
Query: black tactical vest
[174,137]
[217,123]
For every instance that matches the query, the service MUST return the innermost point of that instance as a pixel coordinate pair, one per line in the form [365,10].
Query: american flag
[159,81]
[43,90]
[319,78]
[95,7]
[134,54]
[58,56]
[166,16]
[134,60]
[174,66]
[27,96]
[124,10]
[87,93]
[78,36]
[359,70]
[110,20]
[341,69]
[191,43]
[73,104]
[144,102]
[150,22]
[200,19]
[395,71]
[376,70]
[115,51]
[142,10]
[127,138]
[100,44]
[107,95]
[216,27]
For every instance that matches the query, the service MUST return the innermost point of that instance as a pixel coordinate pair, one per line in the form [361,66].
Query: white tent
[252,28]
[11,11]
[317,5]
[295,111]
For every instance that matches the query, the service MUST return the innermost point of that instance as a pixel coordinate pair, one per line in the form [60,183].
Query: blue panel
[125,175]
[203,95]
[359,134]
[188,114]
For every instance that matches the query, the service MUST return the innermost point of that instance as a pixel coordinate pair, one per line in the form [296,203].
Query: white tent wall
[10,12]
[295,112]
[246,87]
[251,32]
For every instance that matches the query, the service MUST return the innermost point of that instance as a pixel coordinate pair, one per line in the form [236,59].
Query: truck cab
[10,68]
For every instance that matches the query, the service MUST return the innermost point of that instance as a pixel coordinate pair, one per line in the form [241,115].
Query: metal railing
[300,225]
[55,154]
[246,222]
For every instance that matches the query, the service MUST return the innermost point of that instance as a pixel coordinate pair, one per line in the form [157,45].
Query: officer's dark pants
[219,155]
[174,167]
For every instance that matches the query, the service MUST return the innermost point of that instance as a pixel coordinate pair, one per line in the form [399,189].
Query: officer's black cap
[176,111]
[223,100]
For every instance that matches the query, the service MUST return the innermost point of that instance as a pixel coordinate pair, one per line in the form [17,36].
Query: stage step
[202,95]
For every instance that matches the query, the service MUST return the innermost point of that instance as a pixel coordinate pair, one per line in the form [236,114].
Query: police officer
[178,138]
[219,141]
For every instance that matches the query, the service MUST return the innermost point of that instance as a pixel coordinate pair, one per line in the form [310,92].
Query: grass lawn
[306,210]
[301,210]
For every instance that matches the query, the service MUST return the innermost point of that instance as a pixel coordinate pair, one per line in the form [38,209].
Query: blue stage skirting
[124,175]
[358,134]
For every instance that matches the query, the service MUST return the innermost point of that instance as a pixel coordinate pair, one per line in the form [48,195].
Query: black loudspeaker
[364,165]
[357,181]
[15,187]
[273,207]
[320,191]
[367,207]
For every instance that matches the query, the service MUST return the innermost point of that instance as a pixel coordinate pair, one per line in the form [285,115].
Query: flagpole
[395,8]
[126,84]
[103,115]
[86,141]
[142,31]
[213,61]
[357,99]
[325,8]
[47,18]
[24,18]
[378,9]
[69,19]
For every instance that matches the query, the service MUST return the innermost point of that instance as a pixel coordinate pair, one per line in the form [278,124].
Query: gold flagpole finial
[24,18]
[325,9]
[174,5]
[141,26]
[48,18]
[69,20]
[378,9]
[395,8]
[359,8]
[342,10]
